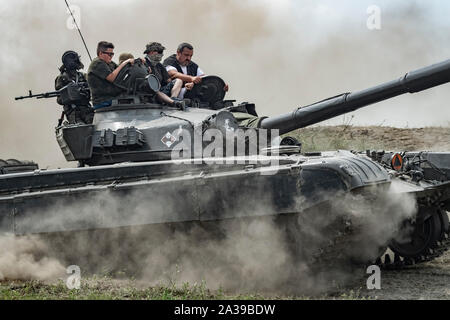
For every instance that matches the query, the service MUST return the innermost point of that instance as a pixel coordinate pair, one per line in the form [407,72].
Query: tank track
[434,250]
[334,251]
[332,254]
[391,260]
[337,250]
[399,262]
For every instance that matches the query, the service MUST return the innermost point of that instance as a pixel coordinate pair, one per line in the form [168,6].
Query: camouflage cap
[154,46]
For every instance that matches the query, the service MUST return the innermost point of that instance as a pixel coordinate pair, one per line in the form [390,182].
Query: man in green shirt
[101,74]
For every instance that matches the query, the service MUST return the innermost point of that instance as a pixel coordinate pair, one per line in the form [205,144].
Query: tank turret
[134,130]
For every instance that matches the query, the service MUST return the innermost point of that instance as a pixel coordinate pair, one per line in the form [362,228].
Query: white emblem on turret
[168,139]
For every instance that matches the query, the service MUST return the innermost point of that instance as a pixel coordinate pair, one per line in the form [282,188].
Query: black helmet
[71,60]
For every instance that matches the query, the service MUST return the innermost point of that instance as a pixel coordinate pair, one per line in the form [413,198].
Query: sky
[278,54]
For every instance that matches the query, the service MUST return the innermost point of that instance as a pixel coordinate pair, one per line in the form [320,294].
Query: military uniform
[163,76]
[74,113]
[157,68]
[101,89]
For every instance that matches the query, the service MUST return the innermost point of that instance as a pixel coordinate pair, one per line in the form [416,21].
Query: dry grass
[105,288]
[373,138]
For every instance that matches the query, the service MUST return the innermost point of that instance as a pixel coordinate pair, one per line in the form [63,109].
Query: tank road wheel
[14,166]
[424,239]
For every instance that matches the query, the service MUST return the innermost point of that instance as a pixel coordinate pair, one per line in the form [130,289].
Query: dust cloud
[280,55]
[309,253]
[27,257]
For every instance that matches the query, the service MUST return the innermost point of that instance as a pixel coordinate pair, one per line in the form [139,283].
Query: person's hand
[196,80]
[225,88]
[129,61]
[189,86]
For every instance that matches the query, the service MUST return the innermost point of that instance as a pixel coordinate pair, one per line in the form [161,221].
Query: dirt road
[429,280]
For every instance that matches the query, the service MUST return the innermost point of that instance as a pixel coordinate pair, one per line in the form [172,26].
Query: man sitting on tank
[180,66]
[154,52]
[101,74]
[82,112]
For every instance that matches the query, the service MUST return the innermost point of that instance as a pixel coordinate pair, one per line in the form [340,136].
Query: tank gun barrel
[411,82]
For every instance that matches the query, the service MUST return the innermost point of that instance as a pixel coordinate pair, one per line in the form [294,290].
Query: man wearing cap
[81,113]
[180,66]
[154,53]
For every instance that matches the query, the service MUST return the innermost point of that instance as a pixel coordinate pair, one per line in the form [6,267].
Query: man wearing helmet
[82,112]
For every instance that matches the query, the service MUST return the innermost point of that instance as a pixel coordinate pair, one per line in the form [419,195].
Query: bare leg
[162,97]
[176,88]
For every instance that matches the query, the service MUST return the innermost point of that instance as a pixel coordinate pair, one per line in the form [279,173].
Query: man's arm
[113,75]
[186,78]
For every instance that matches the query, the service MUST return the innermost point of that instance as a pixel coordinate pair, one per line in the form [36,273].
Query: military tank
[210,160]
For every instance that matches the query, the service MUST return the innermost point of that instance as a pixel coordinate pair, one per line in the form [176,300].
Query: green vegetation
[105,288]
[110,289]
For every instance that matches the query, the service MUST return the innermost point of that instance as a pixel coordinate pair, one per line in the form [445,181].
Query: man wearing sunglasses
[154,52]
[101,74]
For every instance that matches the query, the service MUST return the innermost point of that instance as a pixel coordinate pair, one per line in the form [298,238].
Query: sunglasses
[111,54]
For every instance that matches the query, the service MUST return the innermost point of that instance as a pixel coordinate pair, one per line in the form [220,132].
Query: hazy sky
[278,54]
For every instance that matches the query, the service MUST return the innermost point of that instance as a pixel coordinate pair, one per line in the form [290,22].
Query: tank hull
[293,190]
[176,191]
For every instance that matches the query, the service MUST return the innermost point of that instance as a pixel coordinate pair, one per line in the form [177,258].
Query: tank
[209,160]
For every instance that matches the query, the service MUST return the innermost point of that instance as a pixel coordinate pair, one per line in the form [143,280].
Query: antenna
[78,30]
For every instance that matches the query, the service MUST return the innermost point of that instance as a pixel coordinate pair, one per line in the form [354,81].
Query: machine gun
[75,93]
[50,94]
